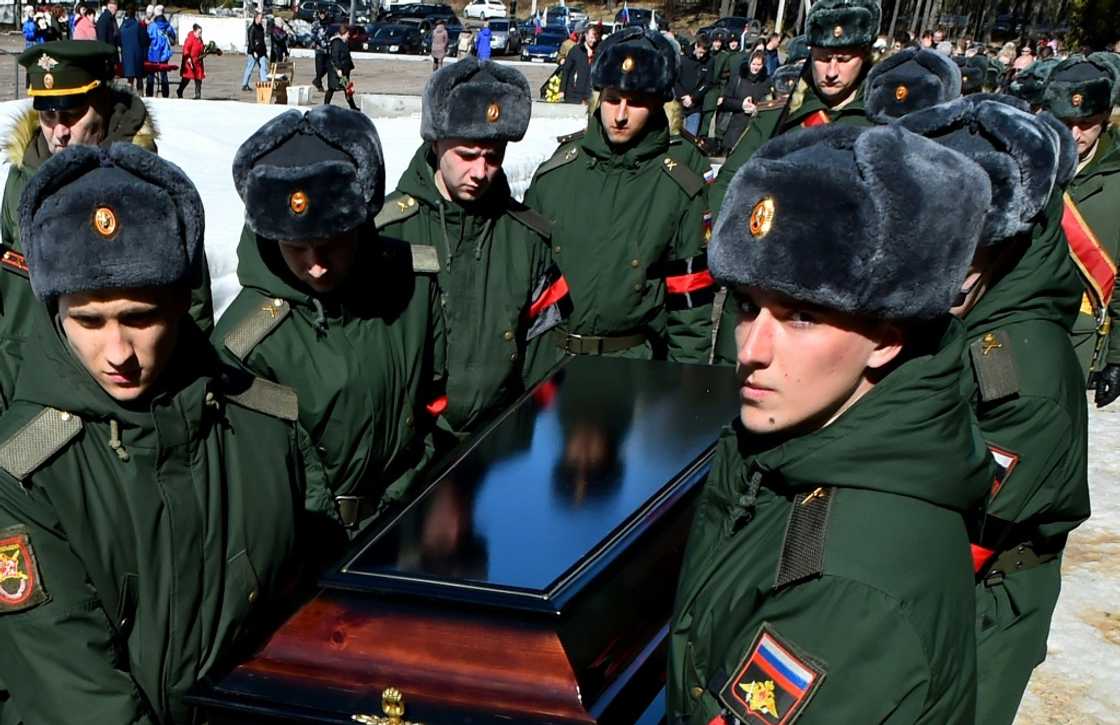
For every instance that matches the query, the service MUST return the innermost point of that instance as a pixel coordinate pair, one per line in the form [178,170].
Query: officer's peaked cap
[910,79]
[637,60]
[476,100]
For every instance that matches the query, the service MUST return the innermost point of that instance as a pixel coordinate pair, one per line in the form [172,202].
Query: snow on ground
[1080,681]
[202,137]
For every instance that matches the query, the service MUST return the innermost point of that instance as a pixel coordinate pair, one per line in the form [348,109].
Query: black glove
[1108,385]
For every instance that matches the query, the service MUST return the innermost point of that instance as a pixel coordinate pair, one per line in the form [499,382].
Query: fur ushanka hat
[476,100]
[1079,87]
[910,79]
[311,176]
[116,218]
[636,60]
[842,23]
[1030,83]
[841,217]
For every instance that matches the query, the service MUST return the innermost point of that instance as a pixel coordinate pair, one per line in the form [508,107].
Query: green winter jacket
[495,269]
[148,537]
[362,360]
[1034,418]
[630,231]
[879,630]
[1095,191]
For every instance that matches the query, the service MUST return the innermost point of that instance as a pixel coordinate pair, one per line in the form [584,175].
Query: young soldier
[826,578]
[1023,381]
[839,34]
[73,104]
[1079,92]
[149,496]
[630,216]
[499,292]
[329,308]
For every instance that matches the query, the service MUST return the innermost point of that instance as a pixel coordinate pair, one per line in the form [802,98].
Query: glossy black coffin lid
[556,489]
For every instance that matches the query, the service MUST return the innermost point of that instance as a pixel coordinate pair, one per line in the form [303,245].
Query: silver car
[505,37]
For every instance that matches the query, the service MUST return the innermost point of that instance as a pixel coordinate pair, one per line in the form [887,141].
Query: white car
[485,9]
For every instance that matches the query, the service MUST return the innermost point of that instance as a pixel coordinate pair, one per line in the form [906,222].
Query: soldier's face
[124,338]
[836,72]
[1086,132]
[321,264]
[82,126]
[800,366]
[624,115]
[465,169]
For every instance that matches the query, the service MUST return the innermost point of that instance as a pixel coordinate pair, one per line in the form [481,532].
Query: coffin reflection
[531,581]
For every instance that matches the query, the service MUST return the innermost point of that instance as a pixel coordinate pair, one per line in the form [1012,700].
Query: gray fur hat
[842,23]
[785,78]
[1080,87]
[1019,152]
[910,79]
[1030,83]
[797,50]
[477,100]
[1112,60]
[311,176]
[116,218]
[859,242]
[636,60]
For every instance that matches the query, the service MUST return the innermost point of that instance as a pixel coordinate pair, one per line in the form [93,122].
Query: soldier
[149,496]
[839,34]
[980,74]
[826,577]
[329,308]
[1030,82]
[630,216]
[909,80]
[1079,93]
[73,103]
[499,291]
[1023,382]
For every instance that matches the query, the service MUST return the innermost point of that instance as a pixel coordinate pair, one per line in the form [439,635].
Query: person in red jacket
[192,69]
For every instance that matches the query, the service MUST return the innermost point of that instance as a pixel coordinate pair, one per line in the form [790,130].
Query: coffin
[531,580]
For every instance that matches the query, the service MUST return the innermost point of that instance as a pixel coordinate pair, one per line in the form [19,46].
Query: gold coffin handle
[392,704]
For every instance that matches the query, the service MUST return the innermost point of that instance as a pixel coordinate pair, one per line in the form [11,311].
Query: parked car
[359,34]
[734,24]
[394,38]
[505,37]
[640,16]
[544,47]
[430,11]
[336,13]
[485,9]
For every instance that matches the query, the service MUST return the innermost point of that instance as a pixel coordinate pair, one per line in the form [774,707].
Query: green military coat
[879,627]
[1095,191]
[362,361]
[139,544]
[804,107]
[1023,381]
[630,231]
[495,275]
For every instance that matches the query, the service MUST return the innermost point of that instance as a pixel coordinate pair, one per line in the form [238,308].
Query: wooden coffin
[532,579]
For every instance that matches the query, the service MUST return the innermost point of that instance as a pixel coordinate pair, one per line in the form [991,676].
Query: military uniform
[786,587]
[140,544]
[361,358]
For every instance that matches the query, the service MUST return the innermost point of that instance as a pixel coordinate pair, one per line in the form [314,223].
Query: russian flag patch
[773,684]
[710,176]
[1005,464]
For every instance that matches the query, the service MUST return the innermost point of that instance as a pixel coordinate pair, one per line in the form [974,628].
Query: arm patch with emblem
[21,584]
[773,683]
[994,364]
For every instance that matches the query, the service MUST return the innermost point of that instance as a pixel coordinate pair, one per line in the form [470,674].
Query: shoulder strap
[566,154]
[397,208]
[33,444]
[770,105]
[803,546]
[425,258]
[248,333]
[13,261]
[265,396]
[568,138]
[530,218]
[685,177]
[993,361]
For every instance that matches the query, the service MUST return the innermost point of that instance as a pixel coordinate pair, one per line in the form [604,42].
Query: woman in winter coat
[192,69]
[134,49]
[440,39]
[84,27]
[338,79]
[741,95]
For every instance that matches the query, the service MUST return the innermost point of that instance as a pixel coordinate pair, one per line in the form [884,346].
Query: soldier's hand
[1108,385]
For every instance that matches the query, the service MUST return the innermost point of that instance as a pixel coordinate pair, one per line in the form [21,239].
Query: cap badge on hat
[838,31]
[105,221]
[762,217]
[48,81]
[46,62]
[297,202]
[901,93]
[628,65]
[493,112]
[1077,99]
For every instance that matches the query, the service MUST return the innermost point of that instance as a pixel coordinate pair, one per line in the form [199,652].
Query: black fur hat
[310,176]
[797,50]
[910,79]
[1079,87]
[116,218]
[1112,60]
[785,78]
[1019,151]
[477,100]
[842,23]
[860,241]
[636,60]
[980,74]
[1030,83]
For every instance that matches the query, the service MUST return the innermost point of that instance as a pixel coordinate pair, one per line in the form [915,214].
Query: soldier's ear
[889,340]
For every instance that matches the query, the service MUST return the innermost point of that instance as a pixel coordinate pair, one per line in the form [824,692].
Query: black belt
[1022,557]
[355,509]
[574,344]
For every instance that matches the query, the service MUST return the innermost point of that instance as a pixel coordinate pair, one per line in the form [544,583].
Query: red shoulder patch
[21,586]
[773,683]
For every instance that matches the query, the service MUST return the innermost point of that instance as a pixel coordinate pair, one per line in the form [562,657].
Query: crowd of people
[917,276]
